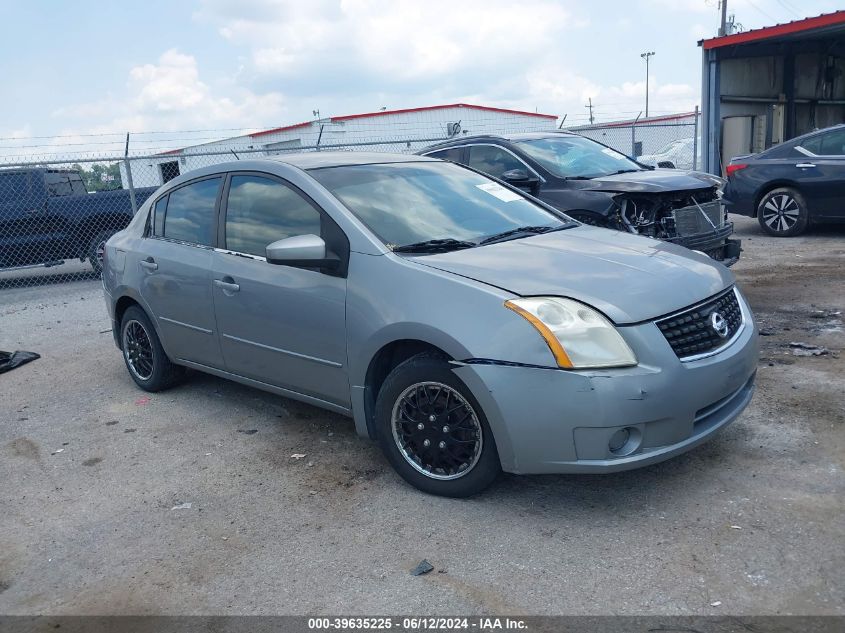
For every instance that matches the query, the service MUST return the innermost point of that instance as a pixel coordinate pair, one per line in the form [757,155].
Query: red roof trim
[442,107]
[281,129]
[798,26]
[169,152]
[651,119]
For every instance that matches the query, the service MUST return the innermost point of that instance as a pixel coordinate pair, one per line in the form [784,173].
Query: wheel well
[120,308]
[771,186]
[385,360]
[591,218]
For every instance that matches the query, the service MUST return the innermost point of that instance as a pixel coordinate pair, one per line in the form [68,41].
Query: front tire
[433,431]
[783,212]
[143,354]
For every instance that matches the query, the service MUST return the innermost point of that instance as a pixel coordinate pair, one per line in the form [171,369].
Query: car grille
[693,219]
[691,332]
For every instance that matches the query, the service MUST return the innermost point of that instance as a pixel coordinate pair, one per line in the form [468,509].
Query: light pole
[645,56]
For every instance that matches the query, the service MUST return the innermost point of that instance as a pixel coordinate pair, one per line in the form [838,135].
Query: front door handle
[227,286]
[805,165]
[149,264]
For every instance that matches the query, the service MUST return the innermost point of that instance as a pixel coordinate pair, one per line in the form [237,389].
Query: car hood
[627,277]
[651,181]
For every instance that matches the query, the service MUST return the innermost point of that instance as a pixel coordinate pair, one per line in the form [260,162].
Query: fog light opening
[624,441]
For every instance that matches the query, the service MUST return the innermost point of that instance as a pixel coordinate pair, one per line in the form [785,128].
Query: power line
[789,9]
[753,4]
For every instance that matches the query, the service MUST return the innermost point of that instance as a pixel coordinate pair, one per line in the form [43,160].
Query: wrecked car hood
[628,277]
[650,181]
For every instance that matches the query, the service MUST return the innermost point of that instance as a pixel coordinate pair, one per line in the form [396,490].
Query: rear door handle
[149,264]
[227,286]
[805,165]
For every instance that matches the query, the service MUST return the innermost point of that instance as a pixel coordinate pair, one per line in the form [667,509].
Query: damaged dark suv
[599,186]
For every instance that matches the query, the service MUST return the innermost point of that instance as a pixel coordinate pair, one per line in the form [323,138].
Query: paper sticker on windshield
[613,153]
[505,195]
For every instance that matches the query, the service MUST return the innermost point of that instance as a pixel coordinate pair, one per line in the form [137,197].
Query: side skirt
[279,391]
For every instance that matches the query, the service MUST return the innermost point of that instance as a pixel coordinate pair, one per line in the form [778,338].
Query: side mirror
[520,178]
[666,164]
[302,251]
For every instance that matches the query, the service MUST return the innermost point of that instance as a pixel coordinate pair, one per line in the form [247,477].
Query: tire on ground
[164,373]
[93,252]
[783,212]
[428,367]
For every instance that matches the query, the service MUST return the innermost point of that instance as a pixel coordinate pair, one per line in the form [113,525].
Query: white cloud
[169,95]
[172,85]
[396,39]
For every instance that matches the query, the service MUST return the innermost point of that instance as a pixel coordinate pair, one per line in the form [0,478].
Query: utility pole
[722,29]
[645,56]
[590,106]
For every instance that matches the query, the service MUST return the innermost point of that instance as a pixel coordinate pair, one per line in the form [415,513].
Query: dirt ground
[92,471]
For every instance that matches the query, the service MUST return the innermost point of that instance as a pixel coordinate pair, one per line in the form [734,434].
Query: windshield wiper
[519,231]
[625,171]
[434,246]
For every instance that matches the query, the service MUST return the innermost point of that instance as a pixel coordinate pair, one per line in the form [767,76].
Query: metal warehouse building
[387,130]
[765,86]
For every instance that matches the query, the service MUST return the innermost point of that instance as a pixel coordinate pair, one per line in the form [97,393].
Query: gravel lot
[92,469]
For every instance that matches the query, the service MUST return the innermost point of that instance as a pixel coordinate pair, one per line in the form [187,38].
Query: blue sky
[74,69]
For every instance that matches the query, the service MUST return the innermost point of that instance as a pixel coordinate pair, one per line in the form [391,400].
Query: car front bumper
[560,421]
[716,244]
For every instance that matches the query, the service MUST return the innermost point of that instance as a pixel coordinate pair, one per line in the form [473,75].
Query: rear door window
[190,213]
[261,210]
[13,185]
[833,143]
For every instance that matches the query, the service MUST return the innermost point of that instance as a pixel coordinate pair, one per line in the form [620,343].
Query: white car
[678,152]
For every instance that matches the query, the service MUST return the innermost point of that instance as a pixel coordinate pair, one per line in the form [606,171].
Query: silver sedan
[465,326]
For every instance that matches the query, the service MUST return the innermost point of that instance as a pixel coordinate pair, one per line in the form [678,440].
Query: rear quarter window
[453,154]
[158,216]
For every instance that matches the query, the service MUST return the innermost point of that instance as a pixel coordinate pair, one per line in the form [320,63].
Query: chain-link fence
[57,210]
[672,141]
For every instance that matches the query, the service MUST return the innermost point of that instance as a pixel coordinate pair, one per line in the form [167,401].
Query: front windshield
[671,147]
[409,203]
[576,157]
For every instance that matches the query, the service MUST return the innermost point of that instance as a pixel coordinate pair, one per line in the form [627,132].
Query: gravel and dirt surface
[97,478]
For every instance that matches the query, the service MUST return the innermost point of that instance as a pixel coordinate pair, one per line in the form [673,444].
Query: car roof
[476,138]
[318,160]
[304,161]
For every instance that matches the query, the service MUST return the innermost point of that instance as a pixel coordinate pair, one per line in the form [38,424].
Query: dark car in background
[47,216]
[600,186]
[791,185]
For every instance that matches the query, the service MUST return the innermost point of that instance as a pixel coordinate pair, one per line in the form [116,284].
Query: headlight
[578,336]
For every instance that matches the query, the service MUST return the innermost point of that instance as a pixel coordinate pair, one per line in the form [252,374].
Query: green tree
[100,177]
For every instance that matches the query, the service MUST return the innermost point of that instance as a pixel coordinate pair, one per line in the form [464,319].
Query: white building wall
[402,132]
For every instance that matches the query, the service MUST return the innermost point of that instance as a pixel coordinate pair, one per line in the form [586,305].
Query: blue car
[791,185]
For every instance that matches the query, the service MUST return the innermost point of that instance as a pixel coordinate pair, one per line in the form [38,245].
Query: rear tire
[143,354]
[783,212]
[433,431]
[97,248]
